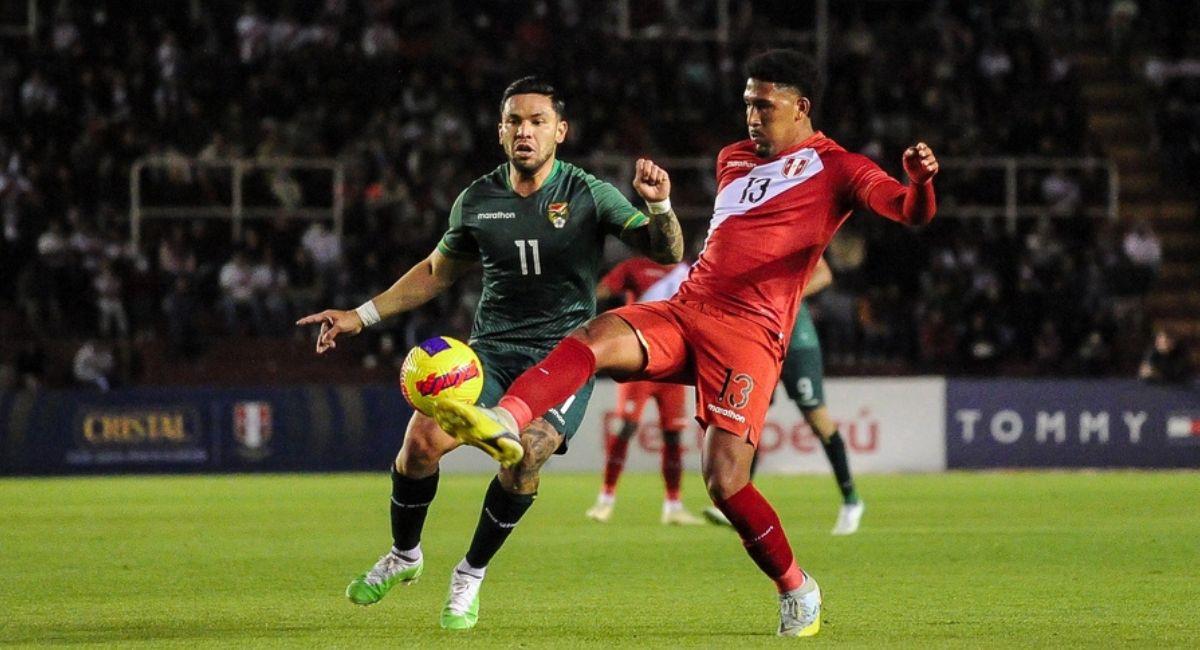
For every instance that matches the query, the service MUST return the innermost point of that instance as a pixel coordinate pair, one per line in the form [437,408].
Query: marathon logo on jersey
[557,214]
[793,167]
[1183,428]
[747,164]
[729,413]
[483,216]
[435,383]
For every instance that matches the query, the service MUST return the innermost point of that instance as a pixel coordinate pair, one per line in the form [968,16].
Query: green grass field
[1013,559]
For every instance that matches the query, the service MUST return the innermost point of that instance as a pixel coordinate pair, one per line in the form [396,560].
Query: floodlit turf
[1021,559]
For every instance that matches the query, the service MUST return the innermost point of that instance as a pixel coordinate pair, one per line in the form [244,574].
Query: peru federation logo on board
[252,425]
[794,167]
[557,214]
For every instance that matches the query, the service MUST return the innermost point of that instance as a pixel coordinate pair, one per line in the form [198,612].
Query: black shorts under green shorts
[802,376]
[502,365]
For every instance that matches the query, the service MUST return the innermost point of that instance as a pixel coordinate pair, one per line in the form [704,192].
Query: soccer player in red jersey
[782,194]
[640,279]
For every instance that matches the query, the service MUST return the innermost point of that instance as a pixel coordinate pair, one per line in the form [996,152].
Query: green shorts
[802,376]
[502,365]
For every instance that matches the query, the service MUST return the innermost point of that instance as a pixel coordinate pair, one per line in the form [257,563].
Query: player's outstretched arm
[662,239]
[419,285]
[920,164]
[914,204]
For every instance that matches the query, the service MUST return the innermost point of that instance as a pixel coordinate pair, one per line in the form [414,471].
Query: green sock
[835,450]
[500,514]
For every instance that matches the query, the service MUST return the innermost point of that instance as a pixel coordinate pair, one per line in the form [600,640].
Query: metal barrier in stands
[995,187]
[181,187]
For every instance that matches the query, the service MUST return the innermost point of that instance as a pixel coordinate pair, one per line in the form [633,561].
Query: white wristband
[368,314]
[659,207]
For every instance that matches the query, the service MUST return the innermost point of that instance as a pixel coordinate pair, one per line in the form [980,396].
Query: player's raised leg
[508,498]
[607,343]
[726,466]
[414,485]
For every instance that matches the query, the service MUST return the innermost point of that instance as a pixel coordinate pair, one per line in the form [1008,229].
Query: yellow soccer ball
[440,367]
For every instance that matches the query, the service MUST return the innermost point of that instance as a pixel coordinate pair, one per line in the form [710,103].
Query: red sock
[618,447]
[762,535]
[565,370]
[672,467]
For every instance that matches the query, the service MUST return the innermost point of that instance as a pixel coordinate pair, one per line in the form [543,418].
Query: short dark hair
[534,85]
[786,68]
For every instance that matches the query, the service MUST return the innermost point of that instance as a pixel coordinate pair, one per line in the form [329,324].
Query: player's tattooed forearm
[666,238]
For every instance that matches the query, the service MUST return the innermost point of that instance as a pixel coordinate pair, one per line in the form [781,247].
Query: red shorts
[670,398]
[733,363]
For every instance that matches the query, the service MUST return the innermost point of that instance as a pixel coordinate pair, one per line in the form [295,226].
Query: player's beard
[529,166]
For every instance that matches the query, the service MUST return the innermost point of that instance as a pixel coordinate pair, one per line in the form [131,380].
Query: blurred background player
[803,379]
[537,226]
[638,279]
[782,195]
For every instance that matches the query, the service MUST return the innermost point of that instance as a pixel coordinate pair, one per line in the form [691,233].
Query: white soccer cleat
[848,518]
[391,569]
[716,517]
[800,610]
[674,514]
[461,610]
[600,512]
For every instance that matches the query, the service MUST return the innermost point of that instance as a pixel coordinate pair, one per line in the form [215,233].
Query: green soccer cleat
[390,570]
[461,610]
[716,517]
[491,430]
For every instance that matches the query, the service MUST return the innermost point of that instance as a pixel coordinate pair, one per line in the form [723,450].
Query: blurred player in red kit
[782,194]
[640,279]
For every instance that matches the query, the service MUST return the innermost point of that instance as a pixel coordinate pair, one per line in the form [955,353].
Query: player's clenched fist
[651,181]
[333,322]
[920,163]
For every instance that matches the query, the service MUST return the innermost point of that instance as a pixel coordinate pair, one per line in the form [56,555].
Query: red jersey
[772,220]
[634,277]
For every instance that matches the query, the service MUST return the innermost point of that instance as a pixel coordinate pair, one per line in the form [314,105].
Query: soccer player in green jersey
[802,377]
[536,225]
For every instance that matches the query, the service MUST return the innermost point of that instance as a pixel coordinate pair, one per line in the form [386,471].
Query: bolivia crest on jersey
[794,167]
[557,214]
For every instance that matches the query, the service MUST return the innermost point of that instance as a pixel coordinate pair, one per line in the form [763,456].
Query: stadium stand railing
[978,198]
[283,192]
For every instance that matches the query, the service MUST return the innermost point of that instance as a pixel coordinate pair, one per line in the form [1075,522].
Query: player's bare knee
[670,438]
[419,456]
[721,486]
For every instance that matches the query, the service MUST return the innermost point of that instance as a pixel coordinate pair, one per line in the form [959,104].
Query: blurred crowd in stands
[405,95]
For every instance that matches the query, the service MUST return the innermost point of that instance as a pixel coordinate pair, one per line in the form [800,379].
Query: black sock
[835,450]
[410,503]
[500,514]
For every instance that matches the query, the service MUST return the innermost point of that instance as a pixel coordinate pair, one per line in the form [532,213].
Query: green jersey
[540,254]
[804,333]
